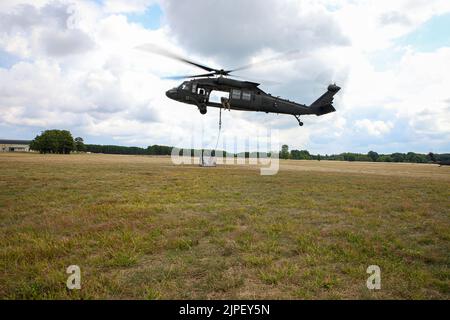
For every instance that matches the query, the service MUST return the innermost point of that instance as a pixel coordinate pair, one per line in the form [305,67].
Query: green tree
[431,157]
[398,157]
[53,141]
[159,150]
[284,154]
[79,144]
[373,155]
[348,156]
[385,158]
[415,157]
[300,155]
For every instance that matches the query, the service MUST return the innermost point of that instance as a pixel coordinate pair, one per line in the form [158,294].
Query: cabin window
[246,95]
[185,86]
[235,94]
[194,88]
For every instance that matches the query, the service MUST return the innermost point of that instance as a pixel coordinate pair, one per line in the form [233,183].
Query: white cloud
[66,42]
[233,30]
[373,25]
[374,128]
[49,30]
[80,70]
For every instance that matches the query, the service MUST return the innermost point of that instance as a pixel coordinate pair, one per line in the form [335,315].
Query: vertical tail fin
[324,104]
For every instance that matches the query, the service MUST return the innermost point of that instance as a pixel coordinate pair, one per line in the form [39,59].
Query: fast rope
[220,128]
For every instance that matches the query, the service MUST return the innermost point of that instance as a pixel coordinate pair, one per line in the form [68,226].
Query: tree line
[112,149]
[371,156]
[61,141]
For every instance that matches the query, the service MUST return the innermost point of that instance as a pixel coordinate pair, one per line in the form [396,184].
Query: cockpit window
[185,86]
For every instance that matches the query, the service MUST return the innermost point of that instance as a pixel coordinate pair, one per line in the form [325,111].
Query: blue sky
[389,58]
[429,36]
[149,19]
[7,60]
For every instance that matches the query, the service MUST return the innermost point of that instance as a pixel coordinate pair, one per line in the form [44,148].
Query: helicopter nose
[172,93]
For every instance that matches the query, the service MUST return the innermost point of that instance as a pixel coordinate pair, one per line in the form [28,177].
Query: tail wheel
[298,119]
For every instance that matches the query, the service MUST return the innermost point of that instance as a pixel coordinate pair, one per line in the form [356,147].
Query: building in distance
[14,145]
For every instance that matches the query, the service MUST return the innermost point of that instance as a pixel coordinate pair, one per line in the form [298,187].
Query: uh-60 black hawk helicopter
[243,95]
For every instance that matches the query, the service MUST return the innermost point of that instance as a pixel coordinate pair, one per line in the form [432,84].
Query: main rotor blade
[291,55]
[189,77]
[163,52]
[261,81]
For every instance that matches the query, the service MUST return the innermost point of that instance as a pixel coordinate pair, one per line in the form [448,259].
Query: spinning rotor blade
[266,82]
[163,52]
[189,77]
[291,55]
[152,48]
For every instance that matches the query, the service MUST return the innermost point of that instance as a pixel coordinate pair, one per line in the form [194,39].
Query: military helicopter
[240,95]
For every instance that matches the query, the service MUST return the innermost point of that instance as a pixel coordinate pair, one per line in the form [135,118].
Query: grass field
[142,228]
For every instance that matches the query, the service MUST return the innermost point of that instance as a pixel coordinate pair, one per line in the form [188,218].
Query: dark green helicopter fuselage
[246,96]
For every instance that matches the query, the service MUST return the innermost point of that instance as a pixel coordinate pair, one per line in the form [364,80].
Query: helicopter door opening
[222,97]
[216,96]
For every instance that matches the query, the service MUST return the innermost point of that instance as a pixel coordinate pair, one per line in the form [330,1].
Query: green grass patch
[142,228]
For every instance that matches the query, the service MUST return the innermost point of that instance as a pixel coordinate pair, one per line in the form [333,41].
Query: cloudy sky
[74,65]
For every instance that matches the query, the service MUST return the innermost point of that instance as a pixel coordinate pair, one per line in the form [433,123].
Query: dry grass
[142,228]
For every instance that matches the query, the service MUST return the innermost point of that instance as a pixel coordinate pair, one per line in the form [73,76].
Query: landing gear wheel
[298,119]
[202,109]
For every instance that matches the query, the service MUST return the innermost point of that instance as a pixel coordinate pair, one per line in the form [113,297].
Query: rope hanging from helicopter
[220,128]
